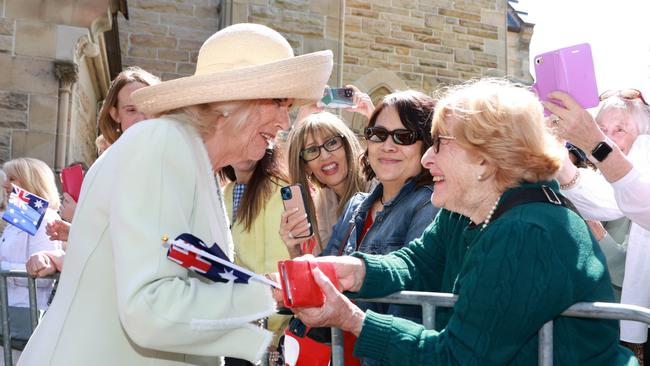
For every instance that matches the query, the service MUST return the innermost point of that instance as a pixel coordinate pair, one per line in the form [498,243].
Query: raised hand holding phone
[337,98]
[569,70]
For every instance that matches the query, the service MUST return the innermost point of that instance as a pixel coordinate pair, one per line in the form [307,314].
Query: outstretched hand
[337,311]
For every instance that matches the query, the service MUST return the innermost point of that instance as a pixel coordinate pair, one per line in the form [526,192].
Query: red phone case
[71,179]
[299,289]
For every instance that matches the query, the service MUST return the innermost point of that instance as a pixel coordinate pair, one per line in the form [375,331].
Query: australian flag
[210,262]
[25,210]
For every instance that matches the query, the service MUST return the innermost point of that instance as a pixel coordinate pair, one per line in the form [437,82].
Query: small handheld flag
[25,210]
[210,262]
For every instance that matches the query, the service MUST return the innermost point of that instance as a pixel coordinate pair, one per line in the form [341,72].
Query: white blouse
[597,199]
[16,246]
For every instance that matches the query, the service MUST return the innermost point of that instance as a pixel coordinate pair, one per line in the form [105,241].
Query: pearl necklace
[489,215]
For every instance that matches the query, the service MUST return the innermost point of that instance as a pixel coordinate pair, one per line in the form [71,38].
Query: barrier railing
[4,308]
[430,300]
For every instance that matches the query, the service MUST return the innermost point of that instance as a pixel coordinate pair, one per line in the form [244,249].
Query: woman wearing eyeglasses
[513,267]
[324,157]
[620,148]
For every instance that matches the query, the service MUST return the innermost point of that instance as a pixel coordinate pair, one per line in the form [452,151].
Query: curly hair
[503,123]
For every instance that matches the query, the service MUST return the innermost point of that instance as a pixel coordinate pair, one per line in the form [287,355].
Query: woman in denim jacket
[399,208]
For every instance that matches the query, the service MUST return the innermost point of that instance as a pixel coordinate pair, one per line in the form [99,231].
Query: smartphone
[71,179]
[294,196]
[569,69]
[336,98]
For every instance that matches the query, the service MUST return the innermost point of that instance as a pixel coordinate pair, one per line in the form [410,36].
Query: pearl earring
[480,177]
[225,114]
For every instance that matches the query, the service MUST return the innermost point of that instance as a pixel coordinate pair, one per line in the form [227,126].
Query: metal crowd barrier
[430,300]
[4,308]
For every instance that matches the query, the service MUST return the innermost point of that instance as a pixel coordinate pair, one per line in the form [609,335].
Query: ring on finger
[555,119]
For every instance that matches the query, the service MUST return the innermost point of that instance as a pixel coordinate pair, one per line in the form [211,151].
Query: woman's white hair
[636,108]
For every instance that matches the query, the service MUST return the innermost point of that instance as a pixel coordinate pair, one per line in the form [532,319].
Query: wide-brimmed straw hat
[242,61]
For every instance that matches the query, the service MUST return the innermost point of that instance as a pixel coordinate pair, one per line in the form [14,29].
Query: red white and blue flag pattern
[210,262]
[25,210]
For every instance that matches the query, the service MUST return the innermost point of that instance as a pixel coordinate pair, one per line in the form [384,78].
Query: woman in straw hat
[120,300]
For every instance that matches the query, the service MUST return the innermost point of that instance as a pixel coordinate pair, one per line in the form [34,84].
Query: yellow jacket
[261,248]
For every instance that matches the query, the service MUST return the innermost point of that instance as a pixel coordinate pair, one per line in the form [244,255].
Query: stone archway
[377,83]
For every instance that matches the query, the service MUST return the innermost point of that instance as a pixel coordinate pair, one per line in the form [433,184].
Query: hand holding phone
[337,98]
[570,70]
[294,198]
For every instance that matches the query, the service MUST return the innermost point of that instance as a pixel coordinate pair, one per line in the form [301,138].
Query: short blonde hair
[34,176]
[503,123]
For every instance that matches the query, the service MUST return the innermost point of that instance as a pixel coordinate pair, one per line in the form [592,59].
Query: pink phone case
[570,70]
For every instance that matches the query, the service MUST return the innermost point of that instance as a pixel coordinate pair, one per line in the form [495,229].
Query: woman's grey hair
[203,116]
[634,107]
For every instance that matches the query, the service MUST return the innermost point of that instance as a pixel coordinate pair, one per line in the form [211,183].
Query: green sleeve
[416,267]
[505,295]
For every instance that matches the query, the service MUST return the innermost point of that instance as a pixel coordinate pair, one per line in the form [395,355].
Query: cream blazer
[120,301]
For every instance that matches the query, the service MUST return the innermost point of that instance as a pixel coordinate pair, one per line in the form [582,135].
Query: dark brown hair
[415,110]
[267,174]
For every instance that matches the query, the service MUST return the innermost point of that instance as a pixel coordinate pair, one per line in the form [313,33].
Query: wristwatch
[601,151]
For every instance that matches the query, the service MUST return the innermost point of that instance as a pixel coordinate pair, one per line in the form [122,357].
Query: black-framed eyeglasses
[401,136]
[313,152]
[437,139]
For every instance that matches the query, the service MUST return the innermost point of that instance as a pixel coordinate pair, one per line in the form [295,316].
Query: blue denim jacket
[403,219]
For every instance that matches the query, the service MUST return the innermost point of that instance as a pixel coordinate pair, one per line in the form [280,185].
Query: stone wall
[164,36]
[32,122]
[518,56]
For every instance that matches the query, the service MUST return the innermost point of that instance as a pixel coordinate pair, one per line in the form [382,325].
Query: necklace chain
[489,215]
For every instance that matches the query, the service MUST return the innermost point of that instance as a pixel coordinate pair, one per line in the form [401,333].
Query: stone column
[67,72]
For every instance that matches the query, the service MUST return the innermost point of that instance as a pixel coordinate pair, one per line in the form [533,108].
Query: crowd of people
[471,192]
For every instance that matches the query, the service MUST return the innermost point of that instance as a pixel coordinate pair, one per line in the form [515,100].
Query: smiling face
[125,111]
[619,125]
[331,167]
[393,164]
[454,171]
[233,144]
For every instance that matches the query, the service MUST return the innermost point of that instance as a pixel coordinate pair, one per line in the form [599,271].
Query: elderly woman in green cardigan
[504,241]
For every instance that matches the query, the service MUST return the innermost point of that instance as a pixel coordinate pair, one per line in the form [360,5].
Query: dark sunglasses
[401,136]
[437,139]
[313,152]
[628,94]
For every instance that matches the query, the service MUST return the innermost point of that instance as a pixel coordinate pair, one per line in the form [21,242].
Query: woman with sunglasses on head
[323,157]
[620,148]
